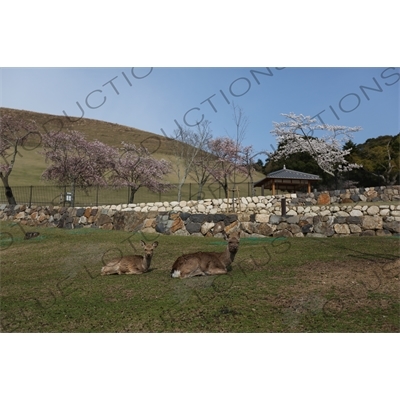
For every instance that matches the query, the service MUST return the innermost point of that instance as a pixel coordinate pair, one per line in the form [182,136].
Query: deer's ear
[155,244]
[142,243]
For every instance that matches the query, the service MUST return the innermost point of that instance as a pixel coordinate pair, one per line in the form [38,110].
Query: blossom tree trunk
[14,134]
[8,191]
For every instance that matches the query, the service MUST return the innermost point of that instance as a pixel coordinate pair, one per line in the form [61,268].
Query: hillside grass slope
[30,164]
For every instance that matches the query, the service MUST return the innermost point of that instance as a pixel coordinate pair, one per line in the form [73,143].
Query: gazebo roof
[288,174]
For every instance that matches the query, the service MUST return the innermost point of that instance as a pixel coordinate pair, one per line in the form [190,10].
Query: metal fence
[96,196]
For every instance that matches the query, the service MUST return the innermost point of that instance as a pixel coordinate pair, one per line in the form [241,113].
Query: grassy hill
[30,164]
[106,132]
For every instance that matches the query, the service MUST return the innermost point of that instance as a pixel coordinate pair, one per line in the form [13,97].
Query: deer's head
[148,249]
[233,241]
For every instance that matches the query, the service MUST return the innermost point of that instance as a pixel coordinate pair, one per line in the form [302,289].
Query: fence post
[283,206]
[97,195]
[30,196]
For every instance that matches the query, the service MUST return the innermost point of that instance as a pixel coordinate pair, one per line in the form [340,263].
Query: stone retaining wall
[371,194]
[263,219]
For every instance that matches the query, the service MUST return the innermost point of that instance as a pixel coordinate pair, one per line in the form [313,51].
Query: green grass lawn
[52,283]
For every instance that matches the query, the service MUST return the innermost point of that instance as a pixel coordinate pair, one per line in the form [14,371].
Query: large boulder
[342,229]
[372,222]
[325,228]
[324,199]
[197,218]
[193,227]
[177,224]
[393,226]
[232,227]
[282,233]
[206,227]
[373,210]
[230,218]
[263,228]
[248,227]
[103,219]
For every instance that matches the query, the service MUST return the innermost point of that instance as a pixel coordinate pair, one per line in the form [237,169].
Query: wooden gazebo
[286,179]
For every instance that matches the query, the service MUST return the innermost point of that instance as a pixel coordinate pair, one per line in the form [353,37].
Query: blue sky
[153,98]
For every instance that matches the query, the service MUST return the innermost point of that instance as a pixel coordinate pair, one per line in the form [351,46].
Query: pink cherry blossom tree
[136,168]
[14,135]
[298,135]
[76,161]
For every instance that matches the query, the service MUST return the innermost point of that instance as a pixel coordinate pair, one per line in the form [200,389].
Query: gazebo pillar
[309,187]
[273,187]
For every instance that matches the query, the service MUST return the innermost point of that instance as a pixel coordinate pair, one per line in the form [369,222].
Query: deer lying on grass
[207,263]
[131,265]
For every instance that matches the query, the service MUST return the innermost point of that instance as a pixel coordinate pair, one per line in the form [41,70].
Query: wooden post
[233,198]
[283,207]
[309,187]
[273,187]
[30,196]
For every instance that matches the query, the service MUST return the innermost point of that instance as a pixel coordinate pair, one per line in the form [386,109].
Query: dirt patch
[335,287]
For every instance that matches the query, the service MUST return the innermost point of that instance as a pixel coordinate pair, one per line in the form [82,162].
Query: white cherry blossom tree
[298,134]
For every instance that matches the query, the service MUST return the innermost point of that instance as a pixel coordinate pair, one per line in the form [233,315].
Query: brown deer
[207,263]
[131,265]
